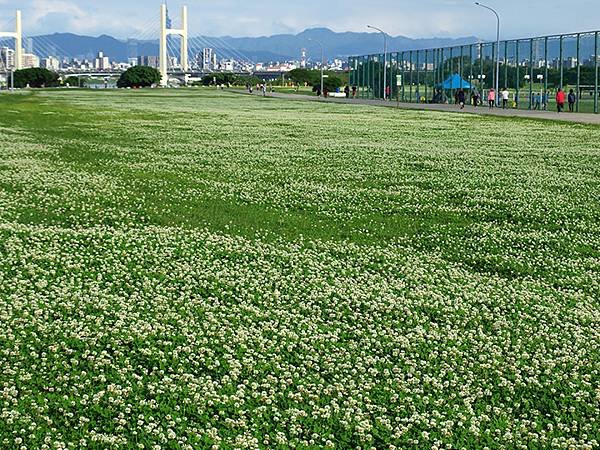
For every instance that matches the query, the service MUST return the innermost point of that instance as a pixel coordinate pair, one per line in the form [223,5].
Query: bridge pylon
[17,35]
[165,31]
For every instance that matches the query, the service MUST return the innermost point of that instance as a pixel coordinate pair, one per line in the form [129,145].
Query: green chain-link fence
[531,69]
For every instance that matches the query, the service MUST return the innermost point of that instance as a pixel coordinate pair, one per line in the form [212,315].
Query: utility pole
[497,50]
[384,59]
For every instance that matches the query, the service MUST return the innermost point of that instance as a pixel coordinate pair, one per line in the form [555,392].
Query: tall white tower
[165,31]
[18,37]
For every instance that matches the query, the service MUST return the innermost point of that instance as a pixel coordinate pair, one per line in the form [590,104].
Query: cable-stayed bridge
[180,56]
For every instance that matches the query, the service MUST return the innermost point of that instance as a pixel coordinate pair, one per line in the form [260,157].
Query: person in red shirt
[560,100]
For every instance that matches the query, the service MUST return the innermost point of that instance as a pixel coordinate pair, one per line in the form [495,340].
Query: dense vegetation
[35,78]
[195,269]
[139,77]
[332,80]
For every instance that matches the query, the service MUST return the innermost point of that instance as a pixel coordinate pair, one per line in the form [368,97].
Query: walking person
[538,102]
[347,91]
[492,98]
[572,98]
[388,92]
[264,90]
[545,101]
[461,96]
[475,97]
[560,100]
[505,97]
[354,89]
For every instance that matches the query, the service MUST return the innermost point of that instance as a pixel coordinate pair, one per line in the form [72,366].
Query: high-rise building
[209,59]
[149,61]
[102,62]
[30,61]
[570,63]
[227,65]
[51,63]
[7,57]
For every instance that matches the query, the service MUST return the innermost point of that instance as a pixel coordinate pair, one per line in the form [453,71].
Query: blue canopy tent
[455,82]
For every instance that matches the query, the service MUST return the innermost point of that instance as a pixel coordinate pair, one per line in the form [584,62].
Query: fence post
[438,67]
[494,53]
[418,62]
[481,82]
[596,73]
[390,80]
[382,71]
[505,64]
[561,63]
[410,70]
[450,71]
[460,64]
[373,66]
[578,72]
[471,67]
[403,78]
[518,71]
[426,75]
[371,90]
[530,73]
[364,81]
[546,96]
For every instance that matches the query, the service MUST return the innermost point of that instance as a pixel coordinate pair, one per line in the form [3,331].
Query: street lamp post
[540,78]
[384,59]
[481,79]
[497,50]
[529,80]
[322,61]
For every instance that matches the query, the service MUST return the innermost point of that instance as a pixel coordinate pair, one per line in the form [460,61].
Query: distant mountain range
[256,49]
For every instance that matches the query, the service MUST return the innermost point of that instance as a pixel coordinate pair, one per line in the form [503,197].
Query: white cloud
[426,18]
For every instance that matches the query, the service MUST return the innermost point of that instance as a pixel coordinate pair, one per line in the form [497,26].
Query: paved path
[585,118]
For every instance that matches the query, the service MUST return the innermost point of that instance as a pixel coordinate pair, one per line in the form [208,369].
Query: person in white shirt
[505,96]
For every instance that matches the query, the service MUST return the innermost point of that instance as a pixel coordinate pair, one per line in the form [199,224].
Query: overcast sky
[422,18]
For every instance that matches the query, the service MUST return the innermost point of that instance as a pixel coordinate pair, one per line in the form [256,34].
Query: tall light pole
[497,50]
[384,59]
[322,61]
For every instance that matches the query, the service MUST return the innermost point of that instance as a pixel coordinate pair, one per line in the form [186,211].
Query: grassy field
[195,269]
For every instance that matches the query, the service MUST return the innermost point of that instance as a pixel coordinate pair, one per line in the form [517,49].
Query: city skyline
[433,18]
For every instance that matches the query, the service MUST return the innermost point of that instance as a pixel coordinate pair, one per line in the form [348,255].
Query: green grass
[196,268]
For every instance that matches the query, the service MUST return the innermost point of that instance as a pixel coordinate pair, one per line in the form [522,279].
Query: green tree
[332,82]
[305,76]
[138,77]
[35,78]
[71,81]
[313,78]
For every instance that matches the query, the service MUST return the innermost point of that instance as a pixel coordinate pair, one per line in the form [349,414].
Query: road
[585,118]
